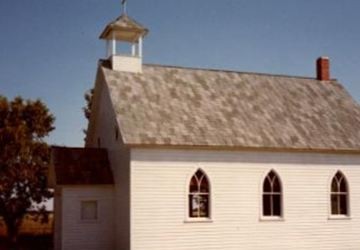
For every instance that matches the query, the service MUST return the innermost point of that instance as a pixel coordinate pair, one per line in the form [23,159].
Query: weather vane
[123,2]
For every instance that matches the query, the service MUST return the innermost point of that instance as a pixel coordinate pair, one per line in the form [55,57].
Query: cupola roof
[125,29]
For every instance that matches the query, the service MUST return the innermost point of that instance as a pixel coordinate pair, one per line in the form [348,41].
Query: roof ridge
[234,71]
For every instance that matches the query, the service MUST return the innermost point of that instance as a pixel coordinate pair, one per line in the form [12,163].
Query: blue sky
[49,49]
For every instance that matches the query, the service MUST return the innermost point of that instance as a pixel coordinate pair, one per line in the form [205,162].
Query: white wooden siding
[89,235]
[103,125]
[159,185]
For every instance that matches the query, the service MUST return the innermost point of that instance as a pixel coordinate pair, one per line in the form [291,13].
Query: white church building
[183,158]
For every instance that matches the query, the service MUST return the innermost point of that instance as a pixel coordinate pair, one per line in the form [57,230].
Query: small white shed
[83,202]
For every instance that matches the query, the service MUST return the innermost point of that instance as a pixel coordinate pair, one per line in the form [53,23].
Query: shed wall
[90,235]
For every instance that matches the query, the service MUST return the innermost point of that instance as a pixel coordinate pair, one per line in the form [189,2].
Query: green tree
[89,101]
[24,160]
[87,109]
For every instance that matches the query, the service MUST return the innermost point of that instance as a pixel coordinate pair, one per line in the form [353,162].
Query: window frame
[88,220]
[332,216]
[263,217]
[188,218]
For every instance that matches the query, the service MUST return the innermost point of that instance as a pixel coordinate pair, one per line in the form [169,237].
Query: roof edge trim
[239,148]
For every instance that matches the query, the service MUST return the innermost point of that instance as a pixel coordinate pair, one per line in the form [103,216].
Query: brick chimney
[323,68]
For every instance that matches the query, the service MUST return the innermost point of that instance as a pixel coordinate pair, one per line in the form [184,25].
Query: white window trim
[189,219]
[329,191]
[339,217]
[271,218]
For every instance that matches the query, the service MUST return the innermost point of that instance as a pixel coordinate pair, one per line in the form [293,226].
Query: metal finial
[123,3]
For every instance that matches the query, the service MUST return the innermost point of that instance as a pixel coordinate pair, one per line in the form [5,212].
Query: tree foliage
[88,98]
[24,159]
[87,109]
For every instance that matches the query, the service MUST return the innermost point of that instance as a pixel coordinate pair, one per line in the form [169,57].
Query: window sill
[198,220]
[339,217]
[271,218]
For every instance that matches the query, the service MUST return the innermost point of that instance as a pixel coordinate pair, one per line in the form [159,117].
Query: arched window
[272,195]
[199,196]
[339,195]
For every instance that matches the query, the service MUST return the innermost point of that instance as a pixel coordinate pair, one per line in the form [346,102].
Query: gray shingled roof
[197,107]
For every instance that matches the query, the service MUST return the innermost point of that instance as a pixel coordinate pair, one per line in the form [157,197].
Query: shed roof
[81,166]
[172,106]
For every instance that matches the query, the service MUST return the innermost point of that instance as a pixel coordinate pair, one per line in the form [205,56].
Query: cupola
[124,33]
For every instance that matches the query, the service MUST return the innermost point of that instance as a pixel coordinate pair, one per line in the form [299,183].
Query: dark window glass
[267,185]
[334,204]
[276,204]
[204,185]
[267,205]
[343,204]
[271,175]
[193,185]
[276,185]
[199,174]
[339,195]
[193,204]
[343,186]
[339,175]
[204,205]
[272,202]
[334,185]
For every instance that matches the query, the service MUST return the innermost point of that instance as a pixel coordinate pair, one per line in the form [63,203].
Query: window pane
[276,185]
[334,204]
[334,185]
[343,186]
[193,206]
[204,205]
[267,185]
[277,205]
[339,176]
[193,185]
[204,186]
[343,204]
[199,174]
[266,205]
[89,210]
[272,175]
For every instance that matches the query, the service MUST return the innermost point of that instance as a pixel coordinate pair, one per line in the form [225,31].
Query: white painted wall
[103,125]
[159,182]
[89,235]
[126,63]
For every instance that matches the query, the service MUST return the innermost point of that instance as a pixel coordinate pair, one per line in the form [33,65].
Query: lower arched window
[272,195]
[339,195]
[199,196]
